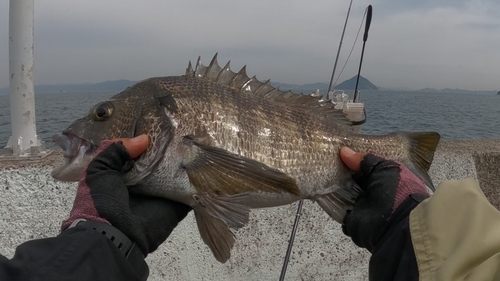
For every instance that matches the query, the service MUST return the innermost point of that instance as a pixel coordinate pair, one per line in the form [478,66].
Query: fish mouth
[77,154]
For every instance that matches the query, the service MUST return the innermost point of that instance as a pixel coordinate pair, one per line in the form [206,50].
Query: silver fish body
[224,143]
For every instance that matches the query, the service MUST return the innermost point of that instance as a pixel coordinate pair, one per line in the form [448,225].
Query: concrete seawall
[32,205]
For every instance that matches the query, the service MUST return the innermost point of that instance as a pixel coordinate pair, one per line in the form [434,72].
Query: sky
[411,44]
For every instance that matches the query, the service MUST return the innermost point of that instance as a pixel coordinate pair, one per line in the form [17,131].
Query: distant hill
[364,84]
[106,86]
[350,84]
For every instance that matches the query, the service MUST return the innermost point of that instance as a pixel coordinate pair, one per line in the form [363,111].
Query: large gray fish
[224,143]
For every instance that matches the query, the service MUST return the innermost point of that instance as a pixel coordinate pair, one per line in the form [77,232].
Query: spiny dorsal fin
[200,69]
[240,79]
[213,69]
[189,70]
[226,75]
[242,83]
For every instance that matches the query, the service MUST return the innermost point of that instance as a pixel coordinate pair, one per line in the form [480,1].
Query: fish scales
[224,143]
[300,143]
[272,133]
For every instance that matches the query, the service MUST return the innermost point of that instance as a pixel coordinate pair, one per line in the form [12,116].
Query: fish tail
[421,153]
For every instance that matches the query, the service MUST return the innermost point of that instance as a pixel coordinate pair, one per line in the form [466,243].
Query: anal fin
[337,203]
[227,208]
[214,216]
[215,233]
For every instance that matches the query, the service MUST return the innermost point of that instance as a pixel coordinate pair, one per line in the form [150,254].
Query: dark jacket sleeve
[394,256]
[76,254]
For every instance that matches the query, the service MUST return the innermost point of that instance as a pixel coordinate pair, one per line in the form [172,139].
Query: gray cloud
[413,44]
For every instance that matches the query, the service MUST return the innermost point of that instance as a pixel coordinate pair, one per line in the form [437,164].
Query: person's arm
[109,232]
[453,235]
[393,258]
[456,234]
[79,253]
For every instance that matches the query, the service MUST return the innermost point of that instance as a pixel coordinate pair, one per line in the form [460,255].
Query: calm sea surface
[454,116]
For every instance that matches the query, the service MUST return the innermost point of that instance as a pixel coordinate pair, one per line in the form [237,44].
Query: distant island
[350,84]
[454,91]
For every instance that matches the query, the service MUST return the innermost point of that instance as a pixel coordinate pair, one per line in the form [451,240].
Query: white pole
[24,140]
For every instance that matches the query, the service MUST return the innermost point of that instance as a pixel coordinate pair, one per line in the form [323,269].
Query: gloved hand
[386,185]
[102,196]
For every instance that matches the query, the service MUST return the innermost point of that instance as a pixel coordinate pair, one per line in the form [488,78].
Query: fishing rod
[290,244]
[365,37]
[301,202]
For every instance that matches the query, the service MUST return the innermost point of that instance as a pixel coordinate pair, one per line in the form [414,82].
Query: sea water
[455,116]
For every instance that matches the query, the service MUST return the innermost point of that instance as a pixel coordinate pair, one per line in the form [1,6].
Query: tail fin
[421,154]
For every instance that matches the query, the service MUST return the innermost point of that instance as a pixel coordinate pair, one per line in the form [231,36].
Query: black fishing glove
[103,197]
[386,185]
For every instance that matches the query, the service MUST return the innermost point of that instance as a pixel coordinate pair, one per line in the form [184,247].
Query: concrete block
[32,205]
[488,171]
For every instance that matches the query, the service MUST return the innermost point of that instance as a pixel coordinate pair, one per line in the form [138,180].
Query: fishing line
[338,52]
[352,49]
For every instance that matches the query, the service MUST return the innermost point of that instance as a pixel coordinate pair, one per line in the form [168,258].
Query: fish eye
[103,111]
[100,112]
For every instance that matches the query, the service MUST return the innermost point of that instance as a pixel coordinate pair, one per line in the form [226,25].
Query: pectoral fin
[217,171]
